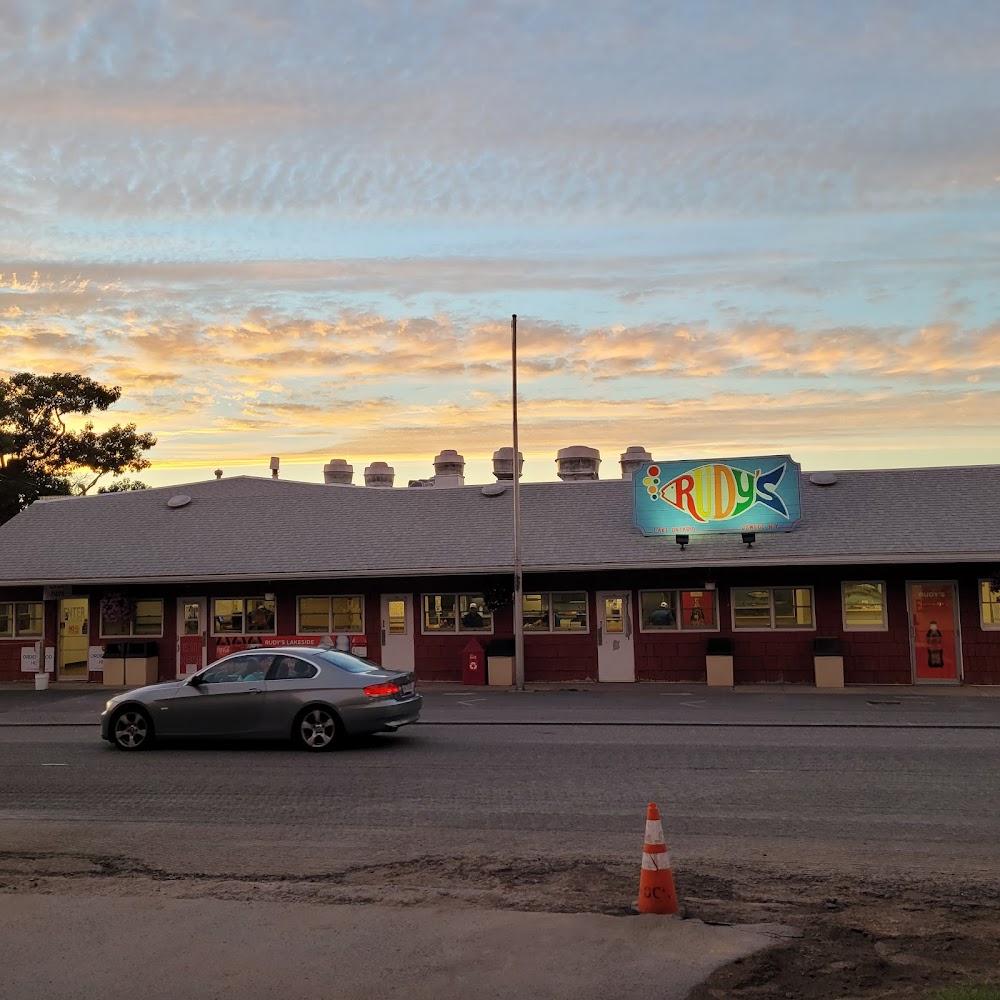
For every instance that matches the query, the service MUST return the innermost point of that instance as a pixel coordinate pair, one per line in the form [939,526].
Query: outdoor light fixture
[749,537]
[682,540]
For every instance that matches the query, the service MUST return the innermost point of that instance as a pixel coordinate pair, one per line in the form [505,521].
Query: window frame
[549,629]
[245,599]
[995,600]
[770,597]
[677,627]
[329,598]
[131,634]
[458,629]
[848,627]
[15,632]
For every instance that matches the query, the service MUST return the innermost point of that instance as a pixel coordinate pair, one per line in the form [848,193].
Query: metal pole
[518,590]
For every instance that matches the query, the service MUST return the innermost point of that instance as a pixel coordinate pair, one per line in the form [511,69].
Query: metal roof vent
[449,469]
[823,478]
[634,457]
[379,475]
[339,471]
[494,489]
[180,500]
[577,463]
[503,464]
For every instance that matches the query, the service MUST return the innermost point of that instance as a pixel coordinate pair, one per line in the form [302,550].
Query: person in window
[261,619]
[472,618]
[662,616]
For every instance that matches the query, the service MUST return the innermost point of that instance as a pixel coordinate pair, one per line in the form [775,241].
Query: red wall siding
[764,657]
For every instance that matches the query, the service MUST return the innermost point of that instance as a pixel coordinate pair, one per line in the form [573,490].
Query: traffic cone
[656,881]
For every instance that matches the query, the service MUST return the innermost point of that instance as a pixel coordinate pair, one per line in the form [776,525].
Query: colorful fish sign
[738,494]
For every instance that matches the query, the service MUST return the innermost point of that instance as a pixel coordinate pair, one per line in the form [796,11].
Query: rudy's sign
[733,494]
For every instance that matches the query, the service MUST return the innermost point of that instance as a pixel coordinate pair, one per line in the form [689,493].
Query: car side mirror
[196,680]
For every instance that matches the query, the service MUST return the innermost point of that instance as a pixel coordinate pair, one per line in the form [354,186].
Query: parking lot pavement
[592,704]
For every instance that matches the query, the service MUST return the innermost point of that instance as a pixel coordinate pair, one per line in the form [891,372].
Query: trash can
[719,661]
[828,662]
[142,663]
[114,664]
[473,663]
[500,663]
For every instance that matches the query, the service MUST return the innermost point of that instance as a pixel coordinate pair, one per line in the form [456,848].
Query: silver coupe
[314,696]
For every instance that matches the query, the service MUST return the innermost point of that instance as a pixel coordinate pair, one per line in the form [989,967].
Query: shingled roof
[252,528]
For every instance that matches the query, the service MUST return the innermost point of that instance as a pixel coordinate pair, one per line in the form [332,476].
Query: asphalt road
[854,798]
[251,871]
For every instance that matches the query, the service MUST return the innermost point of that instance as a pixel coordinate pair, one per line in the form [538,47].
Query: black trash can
[827,646]
[719,645]
[500,662]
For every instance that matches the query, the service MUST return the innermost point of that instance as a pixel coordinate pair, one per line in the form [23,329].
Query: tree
[40,455]
[123,486]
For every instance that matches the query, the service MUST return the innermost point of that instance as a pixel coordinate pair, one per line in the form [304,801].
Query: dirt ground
[872,940]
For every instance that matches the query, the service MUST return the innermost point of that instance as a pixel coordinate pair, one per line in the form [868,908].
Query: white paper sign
[95,659]
[29,660]
[50,659]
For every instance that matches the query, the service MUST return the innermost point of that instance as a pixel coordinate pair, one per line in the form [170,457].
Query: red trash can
[473,663]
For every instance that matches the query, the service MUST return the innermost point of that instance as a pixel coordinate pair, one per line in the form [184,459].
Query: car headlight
[112,701]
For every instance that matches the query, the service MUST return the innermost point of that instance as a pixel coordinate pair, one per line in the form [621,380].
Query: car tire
[131,729]
[317,729]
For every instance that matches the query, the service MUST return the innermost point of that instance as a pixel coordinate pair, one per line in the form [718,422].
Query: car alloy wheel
[131,730]
[318,729]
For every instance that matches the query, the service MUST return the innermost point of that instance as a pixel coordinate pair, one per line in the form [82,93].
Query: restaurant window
[989,605]
[561,611]
[21,620]
[148,620]
[242,616]
[456,613]
[332,615]
[864,606]
[766,608]
[678,610]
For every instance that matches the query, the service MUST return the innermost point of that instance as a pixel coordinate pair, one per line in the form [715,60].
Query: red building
[889,569]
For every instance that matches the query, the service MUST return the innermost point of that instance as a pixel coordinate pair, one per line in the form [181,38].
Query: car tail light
[381,690]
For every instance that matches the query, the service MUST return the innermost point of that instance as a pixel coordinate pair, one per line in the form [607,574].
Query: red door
[934,639]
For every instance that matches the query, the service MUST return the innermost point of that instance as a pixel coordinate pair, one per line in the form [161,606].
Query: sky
[299,228]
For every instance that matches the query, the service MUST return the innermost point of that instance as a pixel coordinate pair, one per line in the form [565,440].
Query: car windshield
[353,664]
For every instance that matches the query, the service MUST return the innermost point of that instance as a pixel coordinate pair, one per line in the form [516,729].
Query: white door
[615,652]
[192,634]
[397,631]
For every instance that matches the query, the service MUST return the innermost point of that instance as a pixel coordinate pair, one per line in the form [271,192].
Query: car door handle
[255,691]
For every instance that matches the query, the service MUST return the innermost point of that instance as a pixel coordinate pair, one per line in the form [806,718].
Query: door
[935,643]
[397,631]
[229,700]
[615,652]
[74,637]
[192,635]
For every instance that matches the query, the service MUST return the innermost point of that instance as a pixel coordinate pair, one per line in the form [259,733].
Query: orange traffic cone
[656,882]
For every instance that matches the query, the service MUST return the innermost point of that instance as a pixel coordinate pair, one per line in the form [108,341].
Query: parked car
[314,696]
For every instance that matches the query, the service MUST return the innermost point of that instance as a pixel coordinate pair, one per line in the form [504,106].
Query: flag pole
[518,590]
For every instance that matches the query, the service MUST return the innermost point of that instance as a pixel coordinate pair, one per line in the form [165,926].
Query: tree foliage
[41,456]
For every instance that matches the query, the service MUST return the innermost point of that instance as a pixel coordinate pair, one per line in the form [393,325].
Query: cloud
[361,113]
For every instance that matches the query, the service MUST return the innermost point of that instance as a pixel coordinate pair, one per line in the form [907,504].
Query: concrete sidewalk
[101,948]
[593,704]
